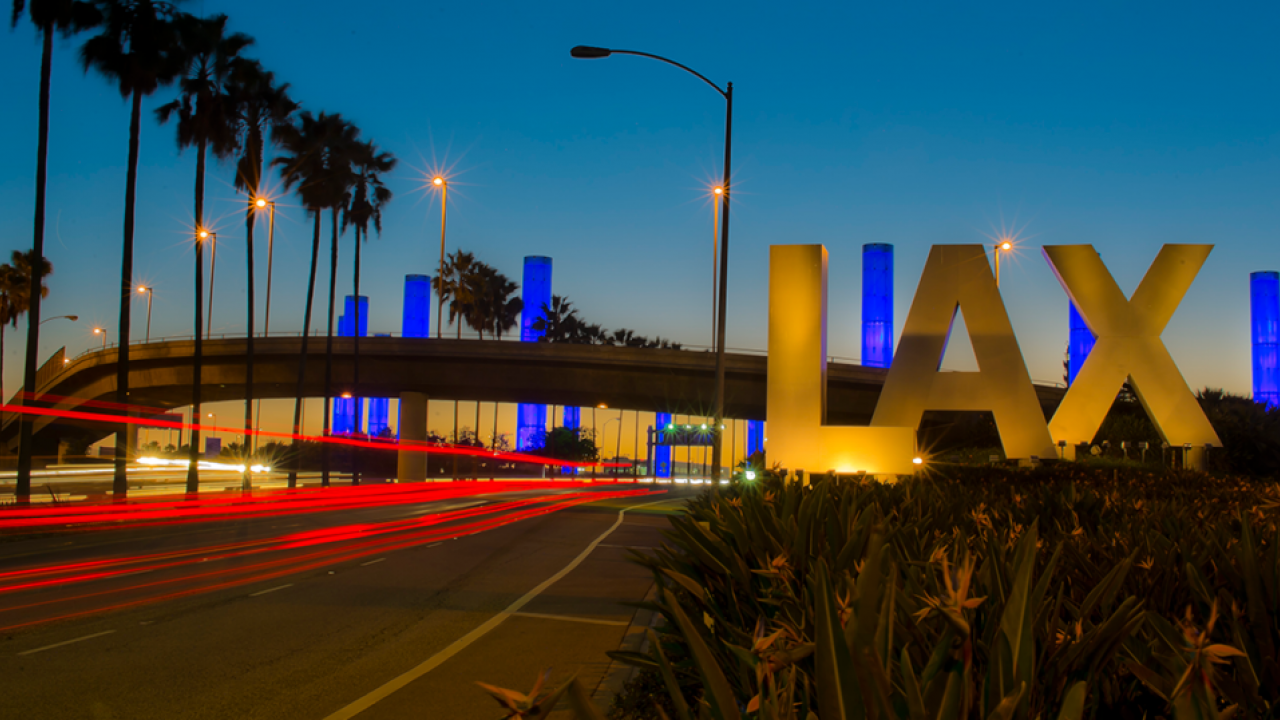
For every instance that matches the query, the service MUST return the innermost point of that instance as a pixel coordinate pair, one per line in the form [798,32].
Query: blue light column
[877,305]
[344,415]
[572,417]
[1079,342]
[353,322]
[379,409]
[1264,294]
[661,453]
[755,436]
[416,321]
[531,420]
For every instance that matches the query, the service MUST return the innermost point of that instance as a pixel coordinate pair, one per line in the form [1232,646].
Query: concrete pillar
[411,465]
[1194,458]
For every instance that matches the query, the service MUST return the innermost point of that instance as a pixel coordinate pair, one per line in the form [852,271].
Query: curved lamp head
[260,202]
[588,52]
[73,318]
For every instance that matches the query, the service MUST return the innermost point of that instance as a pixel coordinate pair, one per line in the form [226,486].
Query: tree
[455,284]
[495,308]
[368,197]
[342,149]
[16,281]
[559,321]
[48,16]
[571,444]
[257,105]
[206,120]
[138,50]
[308,164]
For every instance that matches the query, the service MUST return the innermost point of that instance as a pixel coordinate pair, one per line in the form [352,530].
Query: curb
[635,640]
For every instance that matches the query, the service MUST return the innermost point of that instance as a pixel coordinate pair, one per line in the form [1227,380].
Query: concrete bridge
[652,380]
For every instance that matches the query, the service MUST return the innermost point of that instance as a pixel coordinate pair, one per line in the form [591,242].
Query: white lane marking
[570,618]
[66,642]
[270,590]
[434,544]
[446,508]
[463,642]
[371,562]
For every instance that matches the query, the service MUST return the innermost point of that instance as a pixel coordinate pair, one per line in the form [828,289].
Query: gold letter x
[1129,344]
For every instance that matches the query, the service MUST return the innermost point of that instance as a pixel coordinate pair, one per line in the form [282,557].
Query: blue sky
[1123,125]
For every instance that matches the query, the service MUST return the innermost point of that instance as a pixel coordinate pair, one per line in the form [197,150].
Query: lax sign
[958,277]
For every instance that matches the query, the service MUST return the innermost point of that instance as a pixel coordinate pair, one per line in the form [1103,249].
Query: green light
[704,426]
[671,426]
[751,474]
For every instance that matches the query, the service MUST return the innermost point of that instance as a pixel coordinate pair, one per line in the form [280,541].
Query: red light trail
[304,551]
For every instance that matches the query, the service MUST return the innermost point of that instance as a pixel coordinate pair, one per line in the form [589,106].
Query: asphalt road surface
[389,611]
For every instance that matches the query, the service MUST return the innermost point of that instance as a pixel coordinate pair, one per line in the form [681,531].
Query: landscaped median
[1064,592]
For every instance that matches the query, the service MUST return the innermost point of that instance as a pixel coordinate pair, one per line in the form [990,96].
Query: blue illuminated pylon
[379,409]
[661,453]
[755,436]
[1264,294]
[416,321]
[531,420]
[572,417]
[1080,342]
[344,413]
[877,305]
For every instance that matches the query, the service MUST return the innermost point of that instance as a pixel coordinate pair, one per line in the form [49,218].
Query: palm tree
[494,309]
[559,321]
[368,197]
[206,121]
[65,17]
[16,281]
[342,151]
[456,285]
[137,50]
[305,163]
[257,106]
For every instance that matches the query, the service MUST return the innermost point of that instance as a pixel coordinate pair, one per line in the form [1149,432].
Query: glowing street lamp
[148,291]
[270,205]
[589,52]
[103,333]
[716,193]
[1003,246]
[443,184]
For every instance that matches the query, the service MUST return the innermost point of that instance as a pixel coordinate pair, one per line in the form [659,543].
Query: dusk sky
[1122,125]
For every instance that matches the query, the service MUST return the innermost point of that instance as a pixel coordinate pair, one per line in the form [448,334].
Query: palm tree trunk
[197,360]
[248,350]
[120,483]
[355,372]
[328,351]
[302,356]
[22,491]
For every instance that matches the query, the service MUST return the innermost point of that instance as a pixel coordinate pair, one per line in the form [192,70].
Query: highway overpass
[653,380]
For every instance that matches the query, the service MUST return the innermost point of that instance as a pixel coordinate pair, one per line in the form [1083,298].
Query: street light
[589,52]
[72,318]
[716,193]
[103,333]
[149,291]
[261,203]
[1001,247]
[443,184]
[213,261]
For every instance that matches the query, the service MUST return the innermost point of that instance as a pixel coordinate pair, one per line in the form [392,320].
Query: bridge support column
[411,465]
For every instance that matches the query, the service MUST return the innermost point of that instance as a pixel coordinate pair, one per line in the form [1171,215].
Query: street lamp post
[149,291]
[72,318]
[716,193]
[1001,247]
[213,261]
[103,332]
[589,52]
[443,184]
[271,242]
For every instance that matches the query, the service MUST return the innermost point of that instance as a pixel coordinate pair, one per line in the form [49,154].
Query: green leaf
[911,688]
[1073,703]
[837,689]
[687,583]
[1008,704]
[668,677]
[1015,621]
[719,694]
[634,659]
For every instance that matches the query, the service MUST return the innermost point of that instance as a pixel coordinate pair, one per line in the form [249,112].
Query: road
[384,611]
